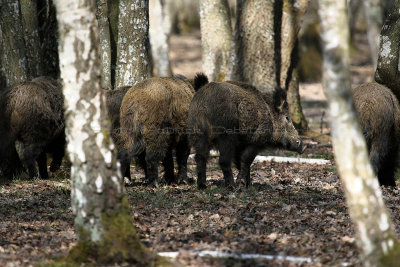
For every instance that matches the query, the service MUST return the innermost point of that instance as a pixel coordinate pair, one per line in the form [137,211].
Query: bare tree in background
[375,232]
[105,43]
[254,55]
[293,12]
[12,43]
[30,24]
[133,42]
[387,72]
[160,30]
[103,224]
[216,38]
[373,11]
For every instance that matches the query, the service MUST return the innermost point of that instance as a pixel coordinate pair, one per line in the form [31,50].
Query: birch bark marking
[133,39]
[96,183]
[216,38]
[375,232]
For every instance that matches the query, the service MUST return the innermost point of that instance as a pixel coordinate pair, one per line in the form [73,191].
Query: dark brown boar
[379,116]
[34,116]
[239,121]
[113,103]
[153,124]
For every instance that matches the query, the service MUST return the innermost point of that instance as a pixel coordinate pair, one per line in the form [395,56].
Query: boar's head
[284,133]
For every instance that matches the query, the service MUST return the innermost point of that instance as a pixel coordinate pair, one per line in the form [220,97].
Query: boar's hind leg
[182,154]
[42,164]
[225,161]
[168,164]
[58,152]
[28,154]
[387,170]
[202,150]
[247,158]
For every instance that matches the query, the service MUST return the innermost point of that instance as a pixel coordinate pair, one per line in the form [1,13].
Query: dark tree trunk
[12,41]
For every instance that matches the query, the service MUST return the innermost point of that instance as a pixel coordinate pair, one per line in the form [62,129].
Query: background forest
[295,214]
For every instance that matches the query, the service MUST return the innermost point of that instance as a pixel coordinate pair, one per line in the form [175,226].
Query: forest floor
[292,209]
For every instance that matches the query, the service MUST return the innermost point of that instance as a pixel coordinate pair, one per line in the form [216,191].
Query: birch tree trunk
[293,12]
[374,17]
[375,232]
[32,41]
[102,221]
[160,30]
[12,42]
[133,42]
[105,43]
[216,38]
[253,60]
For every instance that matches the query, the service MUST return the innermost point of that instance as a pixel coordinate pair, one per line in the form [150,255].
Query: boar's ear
[279,99]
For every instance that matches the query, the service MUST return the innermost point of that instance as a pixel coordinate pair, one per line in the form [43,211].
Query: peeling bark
[375,232]
[253,60]
[216,38]
[160,30]
[133,42]
[13,43]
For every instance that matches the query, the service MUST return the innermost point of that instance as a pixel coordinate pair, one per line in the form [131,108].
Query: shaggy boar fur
[239,121]
[113,103]
[153,123]
[379,115]
[34,124]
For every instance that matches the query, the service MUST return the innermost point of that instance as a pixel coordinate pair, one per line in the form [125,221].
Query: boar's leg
[42,164]
[247,158]
[141,162]
[28,155]
[382,161]
[387,169]
[152,161]
[202,151]
[225,161]
[58,152]
[182,154]
[168,164]
[125,161]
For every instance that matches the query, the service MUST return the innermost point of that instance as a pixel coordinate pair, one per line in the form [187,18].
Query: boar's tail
[200,80]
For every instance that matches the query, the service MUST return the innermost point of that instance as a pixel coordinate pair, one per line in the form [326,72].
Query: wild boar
[239,121]
[34,124]
[113,103]
[379,116]
[153,124]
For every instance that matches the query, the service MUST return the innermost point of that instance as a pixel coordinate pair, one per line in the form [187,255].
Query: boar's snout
[297,146]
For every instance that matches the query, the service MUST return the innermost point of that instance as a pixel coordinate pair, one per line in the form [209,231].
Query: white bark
[160,29]
[96,183]
[376,237]
[105,42]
